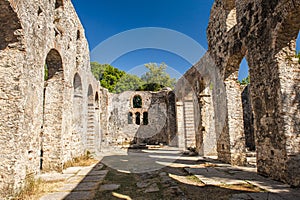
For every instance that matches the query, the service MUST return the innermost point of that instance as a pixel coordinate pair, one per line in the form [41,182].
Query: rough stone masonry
[52,109]
[264,32]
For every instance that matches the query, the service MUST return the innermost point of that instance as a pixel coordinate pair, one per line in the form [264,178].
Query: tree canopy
[128,82]
[117,81]
[157,77]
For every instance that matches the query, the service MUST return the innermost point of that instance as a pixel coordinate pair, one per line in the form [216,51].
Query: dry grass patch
[81,161]
[35,188]
[243,187]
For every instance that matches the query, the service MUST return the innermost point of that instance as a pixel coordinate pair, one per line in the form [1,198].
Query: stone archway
[77,144]
[90,139]
[276,97]
[98,136]
[52,112]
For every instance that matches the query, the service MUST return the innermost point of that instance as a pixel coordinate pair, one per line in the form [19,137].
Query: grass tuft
[84,160]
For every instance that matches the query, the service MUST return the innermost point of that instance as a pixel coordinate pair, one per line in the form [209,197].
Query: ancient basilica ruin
[48,119]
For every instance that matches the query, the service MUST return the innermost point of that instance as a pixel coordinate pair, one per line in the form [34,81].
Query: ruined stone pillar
[235,122]
[180,125]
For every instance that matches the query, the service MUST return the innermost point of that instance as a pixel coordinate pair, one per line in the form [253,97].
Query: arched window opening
[58,3]
[77,86]
[243,76]
[137,101]
[53,64]
[90,95]
[97,101]
[78,35]
[137,118]
[52,110]
[130,116]
[145,118]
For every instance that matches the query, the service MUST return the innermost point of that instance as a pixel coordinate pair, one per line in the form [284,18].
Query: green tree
[117,81]
[98,69]
[157,77]
[129,82]
[111,77]
[245,81]
[107,75]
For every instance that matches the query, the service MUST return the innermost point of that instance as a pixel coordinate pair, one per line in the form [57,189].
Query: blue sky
[103,19]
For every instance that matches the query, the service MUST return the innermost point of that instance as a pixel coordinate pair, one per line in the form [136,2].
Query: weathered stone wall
[40,123]
[195,108]
[160,107]
[264,32]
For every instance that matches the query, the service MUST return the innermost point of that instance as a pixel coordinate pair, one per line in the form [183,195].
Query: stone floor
[81,183]
[151,166]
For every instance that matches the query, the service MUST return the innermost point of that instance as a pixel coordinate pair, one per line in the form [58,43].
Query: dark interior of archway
[77,82]
[53,64]
[9,23]
[58,3]
[229,4]
[90,95]
[137,101]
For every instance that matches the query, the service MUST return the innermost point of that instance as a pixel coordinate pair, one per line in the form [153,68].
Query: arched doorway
[98,136]
[77,144]
[52,112]
[90,139]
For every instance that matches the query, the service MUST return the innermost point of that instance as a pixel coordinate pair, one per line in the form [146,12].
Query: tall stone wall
[41,126]
[127,125]
[264,32]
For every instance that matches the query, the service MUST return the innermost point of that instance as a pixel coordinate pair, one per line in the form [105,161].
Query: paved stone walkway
[81,183]
[84,182]
[221,174]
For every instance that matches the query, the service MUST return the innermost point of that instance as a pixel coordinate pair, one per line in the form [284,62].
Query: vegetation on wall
[117,81]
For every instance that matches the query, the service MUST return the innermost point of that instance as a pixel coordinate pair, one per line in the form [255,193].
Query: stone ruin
[50,116]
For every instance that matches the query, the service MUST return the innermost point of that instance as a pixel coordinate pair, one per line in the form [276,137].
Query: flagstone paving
[169,181]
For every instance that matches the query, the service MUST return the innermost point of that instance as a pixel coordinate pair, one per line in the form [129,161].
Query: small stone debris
[109,187]
[152,188]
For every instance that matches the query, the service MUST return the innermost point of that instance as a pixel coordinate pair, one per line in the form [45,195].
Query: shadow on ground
[167,174]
